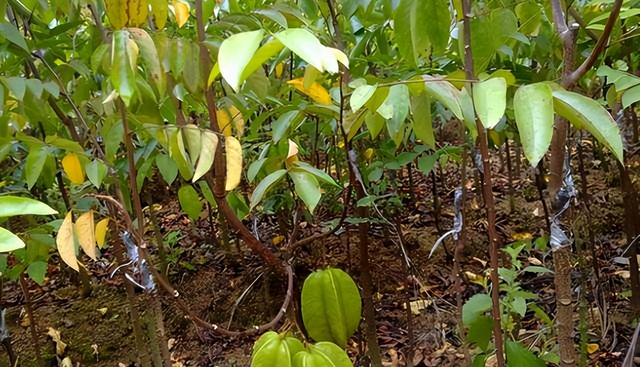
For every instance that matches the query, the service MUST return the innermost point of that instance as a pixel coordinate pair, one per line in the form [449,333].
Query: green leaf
[194,141]
[8,31]
[529,16]
[9,241]
[361,95]
[490,101]
[35,87]
[167,167]
[149,59]
[320,174]
[586,113]
[631,96]
[18,205]
[519,305]
[443,92]
[282,124]
[422,127]
[331,306]
[537,269]
[488,34]
[112,140]
[122,73]
[209,144]
[306,186]
[96,171]
[518,356]
[275,350]
[304,44]
[238,203]
[190,202]
[17,86]
[480,331]
[179,155]
[474,307]
[395,109]
[37,271]
[374,122]
[235,54]
[322,354]
[409,20]
[33,167]
[264,53]
[533,108]
[427,162]
[265,185]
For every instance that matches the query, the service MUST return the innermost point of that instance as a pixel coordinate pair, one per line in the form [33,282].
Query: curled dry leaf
[65,243]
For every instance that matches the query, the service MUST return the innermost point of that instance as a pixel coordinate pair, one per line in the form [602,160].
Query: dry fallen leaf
[60,345]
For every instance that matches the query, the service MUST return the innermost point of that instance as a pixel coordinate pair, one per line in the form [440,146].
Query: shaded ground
[98,332]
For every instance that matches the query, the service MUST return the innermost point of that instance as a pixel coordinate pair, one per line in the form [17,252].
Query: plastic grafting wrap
[4,331]
[558,237]
[457,221]
[139,267]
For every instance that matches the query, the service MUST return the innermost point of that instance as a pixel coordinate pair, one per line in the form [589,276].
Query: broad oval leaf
[533,108]
[265,185]
[179,155]
[160,12]
[181,11]
[194,141]
[304,44]
[307,187]
[72,167]
[282,124]
[275,350]
[361,95]
[474,307]
[190,202]
[490,101]
[316,91]
[149,59]
[422,126]
[235,54]
[9,241]
[34,164]
[85,231]
[18,205]
[322,354]
[117,12]
[586,113]
[137,11]
[443,92]
[331,306]
[209,144]
[167,167]
[66,244]
[122,73]
[233,151]
[517,355]
[96,170]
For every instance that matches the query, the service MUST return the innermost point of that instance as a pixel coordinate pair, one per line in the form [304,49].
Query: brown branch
[559,22]
[574,13]
[597,50]
[488,194]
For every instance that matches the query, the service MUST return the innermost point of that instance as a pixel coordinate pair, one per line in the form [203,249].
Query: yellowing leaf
[194,142]
[368,154]
[339,55]
[457,78]
[277,240]
[117,12]
[101,231]
[228,117]
[65,243]
[72,167]
[138,11]
[86,234]
[209,144]
[315,92]
[160,11]
[279,69]
[592,348]
[233,150]
[292,155]
[181,11]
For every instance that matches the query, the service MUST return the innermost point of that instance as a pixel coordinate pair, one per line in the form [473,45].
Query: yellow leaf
[86,234]
[160,11]
[138,11]
[60,345]
[228,117]
[368,154]
[65,243]
[315,92]
[292,155]
[339,55]
[101,231]
[277,239]
[72,167]
[279,70]
[181,11]
[117,12]
[592,348]
[457,78]
[133,52]
[234,162]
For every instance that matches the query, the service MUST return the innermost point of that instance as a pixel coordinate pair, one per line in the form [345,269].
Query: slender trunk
[512,205]
[459,248]
[488,195]
[32,320]
[632,230]
[407,301]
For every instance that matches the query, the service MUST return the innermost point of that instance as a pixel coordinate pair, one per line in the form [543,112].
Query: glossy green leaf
[9,241]
[304,44]
[122,73]
[275,350]
[33,167]
[331,306]
[190,202]
[480,332]
[412,40]
[488,34]
[167,167]
[443,92]
[395,109]
[320,174]
[421,111]
[586,113]
[631,96]
[519,356]
[96,171]
[322,354]
[264,53]
[533,108]
[282,124]
[8,31]
[306,187]
[360,96]
[18,205]
[490,101]
[149,59]
[235,54]
[474,307]
[529,16]
[264,186]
